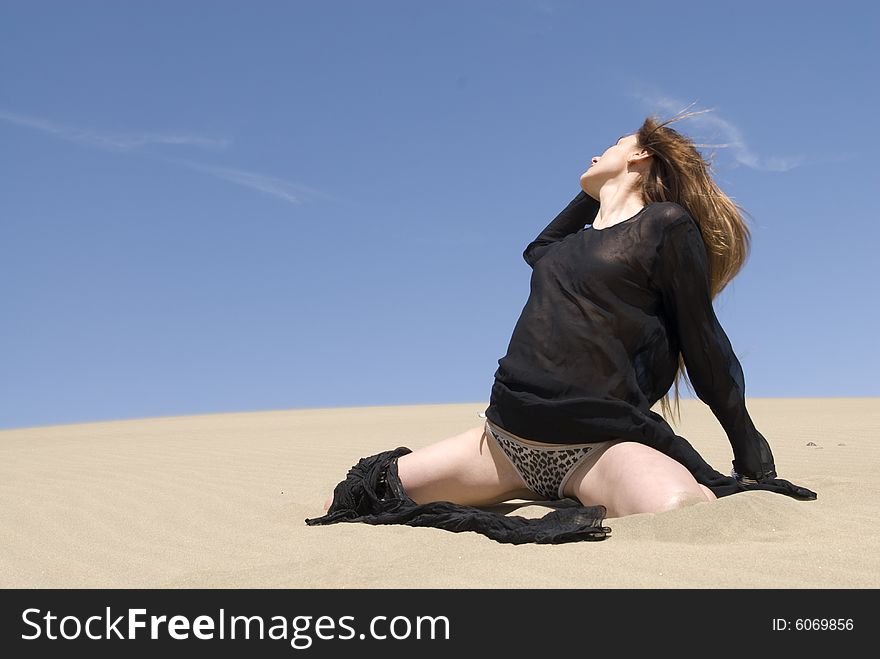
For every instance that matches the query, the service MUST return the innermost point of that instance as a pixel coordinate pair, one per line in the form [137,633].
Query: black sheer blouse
[597,343]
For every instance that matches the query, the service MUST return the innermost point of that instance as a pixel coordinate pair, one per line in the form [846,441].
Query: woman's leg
[468,469]
[630,477]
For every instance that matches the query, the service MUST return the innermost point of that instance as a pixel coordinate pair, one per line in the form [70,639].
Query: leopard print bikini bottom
[545,468]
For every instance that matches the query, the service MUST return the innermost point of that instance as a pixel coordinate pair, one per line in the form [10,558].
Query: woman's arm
[580,211]
[682,274]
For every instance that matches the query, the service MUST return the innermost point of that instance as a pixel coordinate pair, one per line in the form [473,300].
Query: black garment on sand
[372,493]
[596,346]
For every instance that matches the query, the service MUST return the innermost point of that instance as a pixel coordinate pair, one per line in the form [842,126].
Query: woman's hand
[790,488]
[745,479]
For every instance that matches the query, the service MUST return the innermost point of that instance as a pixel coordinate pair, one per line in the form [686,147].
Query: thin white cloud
[294,193]
[731,134]
[111,141]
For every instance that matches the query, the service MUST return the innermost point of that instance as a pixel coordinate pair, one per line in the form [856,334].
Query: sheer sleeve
[580,211]
[682,275]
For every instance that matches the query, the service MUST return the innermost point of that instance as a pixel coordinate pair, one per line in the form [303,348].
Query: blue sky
[231,206]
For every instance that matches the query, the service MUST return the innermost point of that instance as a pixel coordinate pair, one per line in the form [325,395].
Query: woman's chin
[586,188]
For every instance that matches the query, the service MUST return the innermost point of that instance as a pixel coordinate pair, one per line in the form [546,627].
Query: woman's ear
[641,157]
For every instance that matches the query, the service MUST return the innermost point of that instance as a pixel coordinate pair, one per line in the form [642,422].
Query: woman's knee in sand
[710,495]
[677,500]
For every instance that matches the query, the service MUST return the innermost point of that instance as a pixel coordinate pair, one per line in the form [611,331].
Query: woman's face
[611,164]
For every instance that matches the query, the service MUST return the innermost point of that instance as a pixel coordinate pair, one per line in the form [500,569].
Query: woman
[615,313]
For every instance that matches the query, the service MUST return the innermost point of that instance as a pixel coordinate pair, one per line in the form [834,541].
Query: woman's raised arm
[580,211]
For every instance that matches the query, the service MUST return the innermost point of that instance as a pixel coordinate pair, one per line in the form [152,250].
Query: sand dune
[218,501]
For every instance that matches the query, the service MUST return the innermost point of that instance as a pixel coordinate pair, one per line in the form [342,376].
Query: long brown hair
[680,174]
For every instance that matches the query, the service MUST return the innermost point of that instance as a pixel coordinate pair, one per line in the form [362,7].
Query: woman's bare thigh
[468,469]
[631,477]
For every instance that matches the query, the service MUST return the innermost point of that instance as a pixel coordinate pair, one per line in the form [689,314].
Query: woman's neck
[617,205]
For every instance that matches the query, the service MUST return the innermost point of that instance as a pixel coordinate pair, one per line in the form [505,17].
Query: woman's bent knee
[710,495]
[678,500]
[631,478]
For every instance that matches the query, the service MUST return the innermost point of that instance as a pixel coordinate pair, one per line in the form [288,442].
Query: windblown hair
[678,173]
